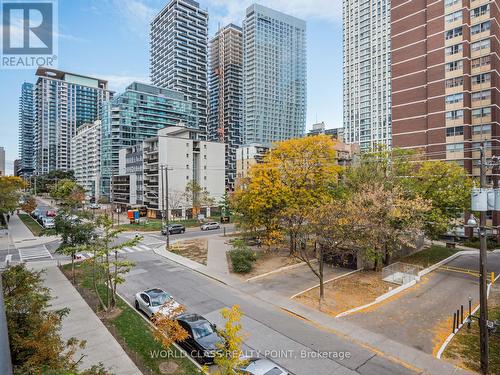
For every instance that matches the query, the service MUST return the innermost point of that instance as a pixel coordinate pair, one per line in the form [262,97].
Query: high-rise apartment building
[225,119]
[85,157]
[136,114]
[274,76]
[445,78]
[26,131]
[63,102]
[367,72]
[2,161]
[179,41]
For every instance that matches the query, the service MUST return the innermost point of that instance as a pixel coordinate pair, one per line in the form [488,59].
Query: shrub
[242,257]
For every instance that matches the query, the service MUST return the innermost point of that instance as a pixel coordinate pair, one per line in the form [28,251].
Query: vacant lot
[347,293]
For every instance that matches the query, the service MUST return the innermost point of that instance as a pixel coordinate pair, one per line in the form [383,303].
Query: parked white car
[48,223]
[154,301]
[211,225]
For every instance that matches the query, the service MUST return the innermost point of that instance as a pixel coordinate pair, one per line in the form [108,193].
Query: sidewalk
[83,324]
[217,255]
[22,236]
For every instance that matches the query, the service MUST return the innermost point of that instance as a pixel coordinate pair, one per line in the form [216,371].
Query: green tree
[10,192]
[447,187]
[68,192]
[74,232]
[45,181]
[35,344]
[107,267]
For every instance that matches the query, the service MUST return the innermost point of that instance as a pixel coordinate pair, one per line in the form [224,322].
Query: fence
[401,273]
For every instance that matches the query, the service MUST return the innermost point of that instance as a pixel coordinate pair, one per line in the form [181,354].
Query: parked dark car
[203,337]
[173,229]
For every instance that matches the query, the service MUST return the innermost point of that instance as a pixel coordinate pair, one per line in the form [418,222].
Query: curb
[325,282]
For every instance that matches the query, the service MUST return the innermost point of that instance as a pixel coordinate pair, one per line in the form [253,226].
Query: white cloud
[330,10]
[118,83]
[137,14]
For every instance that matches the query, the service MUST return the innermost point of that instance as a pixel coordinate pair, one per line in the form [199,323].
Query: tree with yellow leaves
[229,355]
[296,176]
[10,191]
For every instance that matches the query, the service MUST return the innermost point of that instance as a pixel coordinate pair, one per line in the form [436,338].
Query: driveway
[422,316]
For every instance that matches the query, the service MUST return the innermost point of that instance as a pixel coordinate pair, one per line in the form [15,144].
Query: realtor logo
[28,34]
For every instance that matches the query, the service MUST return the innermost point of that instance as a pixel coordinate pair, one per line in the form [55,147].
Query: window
[481,27]
[481,112]
[455,147]
[457,130]
[449,3]
[454,65]
[455,115]
[480,61]
[478,46]
[479,11]
[481,78]
[457,31]
[481,95]
[481,129]
[457,48]
[454,82]
[452,17]
[454,98]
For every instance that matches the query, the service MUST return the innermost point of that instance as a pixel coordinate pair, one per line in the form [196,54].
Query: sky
[109,39]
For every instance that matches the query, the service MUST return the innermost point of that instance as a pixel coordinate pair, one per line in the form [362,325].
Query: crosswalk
[124,250]
[34,253]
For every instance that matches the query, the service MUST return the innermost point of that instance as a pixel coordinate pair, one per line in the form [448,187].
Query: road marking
[128,249]
[30,253]
[144,247]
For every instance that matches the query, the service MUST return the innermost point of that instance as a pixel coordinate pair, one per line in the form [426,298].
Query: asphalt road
[292,343]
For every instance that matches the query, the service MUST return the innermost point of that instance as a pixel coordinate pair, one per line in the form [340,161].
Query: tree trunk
[387,256]
[321,278]
[375,264]
[94,280]
[73,268]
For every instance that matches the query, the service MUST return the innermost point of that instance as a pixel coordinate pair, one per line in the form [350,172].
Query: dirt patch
[168,367]
[266,262]
[195,250]
[347,293]
[109,315]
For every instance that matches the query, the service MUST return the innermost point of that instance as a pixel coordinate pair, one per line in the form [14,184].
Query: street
[289,341]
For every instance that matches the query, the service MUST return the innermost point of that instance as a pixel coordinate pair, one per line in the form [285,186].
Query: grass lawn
[32,225]
[154,225]
[430,255]
[132,332]
[464,349]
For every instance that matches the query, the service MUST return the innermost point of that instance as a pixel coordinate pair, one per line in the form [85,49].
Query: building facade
[136,114]
[2,161]
[367,72]
[320,128]
[179,152]
[26,131]
[63,102]
[225,118]
[178,49]
[128,185]
[85,158]
[274,76]
[248,155]
[445,79]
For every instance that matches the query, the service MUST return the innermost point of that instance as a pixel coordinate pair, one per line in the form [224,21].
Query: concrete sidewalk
[217,255]
[83,324]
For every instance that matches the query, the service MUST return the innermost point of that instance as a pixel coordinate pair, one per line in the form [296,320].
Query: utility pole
[165,195]
[483,298]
